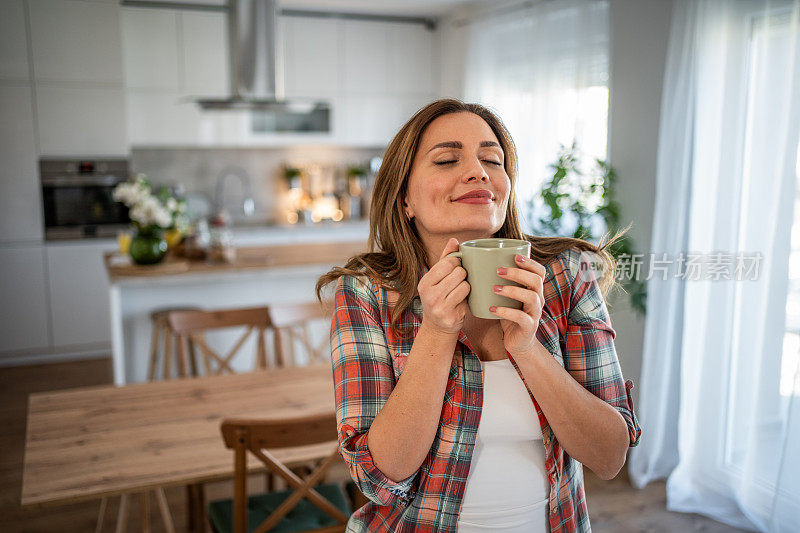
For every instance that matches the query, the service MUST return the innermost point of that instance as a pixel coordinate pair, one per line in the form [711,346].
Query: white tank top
[507,487]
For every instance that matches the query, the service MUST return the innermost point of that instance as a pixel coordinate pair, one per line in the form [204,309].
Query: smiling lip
[476,197]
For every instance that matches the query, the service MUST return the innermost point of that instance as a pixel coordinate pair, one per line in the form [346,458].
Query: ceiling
[427,8]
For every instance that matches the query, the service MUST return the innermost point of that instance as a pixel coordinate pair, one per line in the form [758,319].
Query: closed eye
[450,162]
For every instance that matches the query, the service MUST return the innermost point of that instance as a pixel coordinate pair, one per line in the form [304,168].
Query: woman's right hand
[443,291]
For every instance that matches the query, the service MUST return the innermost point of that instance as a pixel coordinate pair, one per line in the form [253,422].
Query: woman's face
[458,186]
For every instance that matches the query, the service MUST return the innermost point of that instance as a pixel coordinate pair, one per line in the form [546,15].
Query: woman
[450,422]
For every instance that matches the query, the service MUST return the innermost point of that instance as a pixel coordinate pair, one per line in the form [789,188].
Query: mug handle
[455,254]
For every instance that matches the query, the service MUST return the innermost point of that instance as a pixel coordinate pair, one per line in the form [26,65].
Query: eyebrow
[457,144]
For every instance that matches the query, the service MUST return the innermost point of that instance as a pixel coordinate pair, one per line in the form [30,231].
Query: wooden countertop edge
[248,258]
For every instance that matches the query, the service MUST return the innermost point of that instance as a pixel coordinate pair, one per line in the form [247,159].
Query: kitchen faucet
[248,205]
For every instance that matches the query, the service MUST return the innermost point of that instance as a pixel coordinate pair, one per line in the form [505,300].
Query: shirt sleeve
[590,355]
[363,379]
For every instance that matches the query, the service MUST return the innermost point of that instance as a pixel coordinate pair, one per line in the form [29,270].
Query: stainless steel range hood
[253,67]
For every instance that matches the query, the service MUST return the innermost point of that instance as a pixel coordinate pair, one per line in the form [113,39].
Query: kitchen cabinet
[388,75]
[366,57]
[150,44]
[204,46]
[374,74]
[76,40]
[23,308]
[413,57]
[77,281]
[311,57]
[189,51]
[13,41]
[81,120]
[20,204]
[77,65]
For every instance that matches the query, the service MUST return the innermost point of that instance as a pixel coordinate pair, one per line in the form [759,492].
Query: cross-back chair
[308,506]
[291,324]
[190,326]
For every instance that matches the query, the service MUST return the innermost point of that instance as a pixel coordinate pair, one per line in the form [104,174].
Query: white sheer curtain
[544,69]
[720,378]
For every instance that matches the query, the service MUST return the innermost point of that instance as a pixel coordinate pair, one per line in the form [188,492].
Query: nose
[475,172]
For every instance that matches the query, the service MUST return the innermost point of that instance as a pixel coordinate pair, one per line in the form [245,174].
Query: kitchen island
[260,275]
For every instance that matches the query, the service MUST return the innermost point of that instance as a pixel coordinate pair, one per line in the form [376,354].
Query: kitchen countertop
[120,268]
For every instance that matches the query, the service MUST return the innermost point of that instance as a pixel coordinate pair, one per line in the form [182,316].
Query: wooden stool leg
[101,515]
[166,516]
[192,357]
[145,499]
[196,507]
[151,373]
[122,516]
[180,355]
[166,372]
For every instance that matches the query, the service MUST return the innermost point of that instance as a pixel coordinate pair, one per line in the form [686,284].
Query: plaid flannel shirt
[368,358]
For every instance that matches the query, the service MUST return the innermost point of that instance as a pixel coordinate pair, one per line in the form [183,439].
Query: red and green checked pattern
[367,359]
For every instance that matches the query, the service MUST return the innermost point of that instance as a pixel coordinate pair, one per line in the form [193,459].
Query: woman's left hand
[520,325]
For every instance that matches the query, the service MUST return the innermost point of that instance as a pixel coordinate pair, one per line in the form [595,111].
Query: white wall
[639,34]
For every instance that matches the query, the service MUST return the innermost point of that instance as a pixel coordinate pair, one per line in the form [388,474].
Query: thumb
[450,247]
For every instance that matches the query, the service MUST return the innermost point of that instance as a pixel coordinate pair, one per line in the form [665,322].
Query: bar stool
[162,329]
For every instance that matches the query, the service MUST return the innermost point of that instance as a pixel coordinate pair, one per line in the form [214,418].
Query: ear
[407,208]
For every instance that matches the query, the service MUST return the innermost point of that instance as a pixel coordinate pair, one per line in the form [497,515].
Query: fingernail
[498,288]
[492,309]
[502,271]
[521,258]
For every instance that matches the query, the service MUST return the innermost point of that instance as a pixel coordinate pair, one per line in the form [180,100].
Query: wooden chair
[291,324]
[325,508]
[190,327]
[163,333]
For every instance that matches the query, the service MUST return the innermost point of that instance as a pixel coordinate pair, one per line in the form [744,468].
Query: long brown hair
[396,254]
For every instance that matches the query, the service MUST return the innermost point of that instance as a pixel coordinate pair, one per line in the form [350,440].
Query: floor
[614,506]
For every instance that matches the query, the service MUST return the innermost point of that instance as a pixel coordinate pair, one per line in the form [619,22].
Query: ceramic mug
[481,258]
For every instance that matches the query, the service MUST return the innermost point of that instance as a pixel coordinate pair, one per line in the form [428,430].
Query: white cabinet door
[23,303]
[76,41]
[150,48]
[20,204]
[412,58]
[311,57]
[79,286]
[205,53]
[161,117]
[372,120]
[13,41]
[81,121]
[366,57]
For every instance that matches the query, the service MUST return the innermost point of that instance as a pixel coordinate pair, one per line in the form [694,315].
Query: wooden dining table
[98,442]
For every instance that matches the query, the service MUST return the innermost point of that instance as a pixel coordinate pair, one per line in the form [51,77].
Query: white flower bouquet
[151,214]
[149,211]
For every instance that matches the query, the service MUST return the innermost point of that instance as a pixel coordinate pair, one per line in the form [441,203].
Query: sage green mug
[481,258]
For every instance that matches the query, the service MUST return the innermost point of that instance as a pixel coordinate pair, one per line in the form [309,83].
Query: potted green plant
[583,205]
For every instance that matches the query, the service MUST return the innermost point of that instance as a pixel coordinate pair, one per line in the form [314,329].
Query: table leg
[145,498]
[166,516]
[101,515]
[122,516]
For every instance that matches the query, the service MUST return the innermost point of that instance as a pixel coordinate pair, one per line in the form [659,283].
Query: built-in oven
[78,197]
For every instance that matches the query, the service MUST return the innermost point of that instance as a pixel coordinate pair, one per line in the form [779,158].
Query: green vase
[148,247]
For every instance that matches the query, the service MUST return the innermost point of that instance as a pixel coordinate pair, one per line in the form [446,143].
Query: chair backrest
[191,326]
[258,437]
[292,323]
